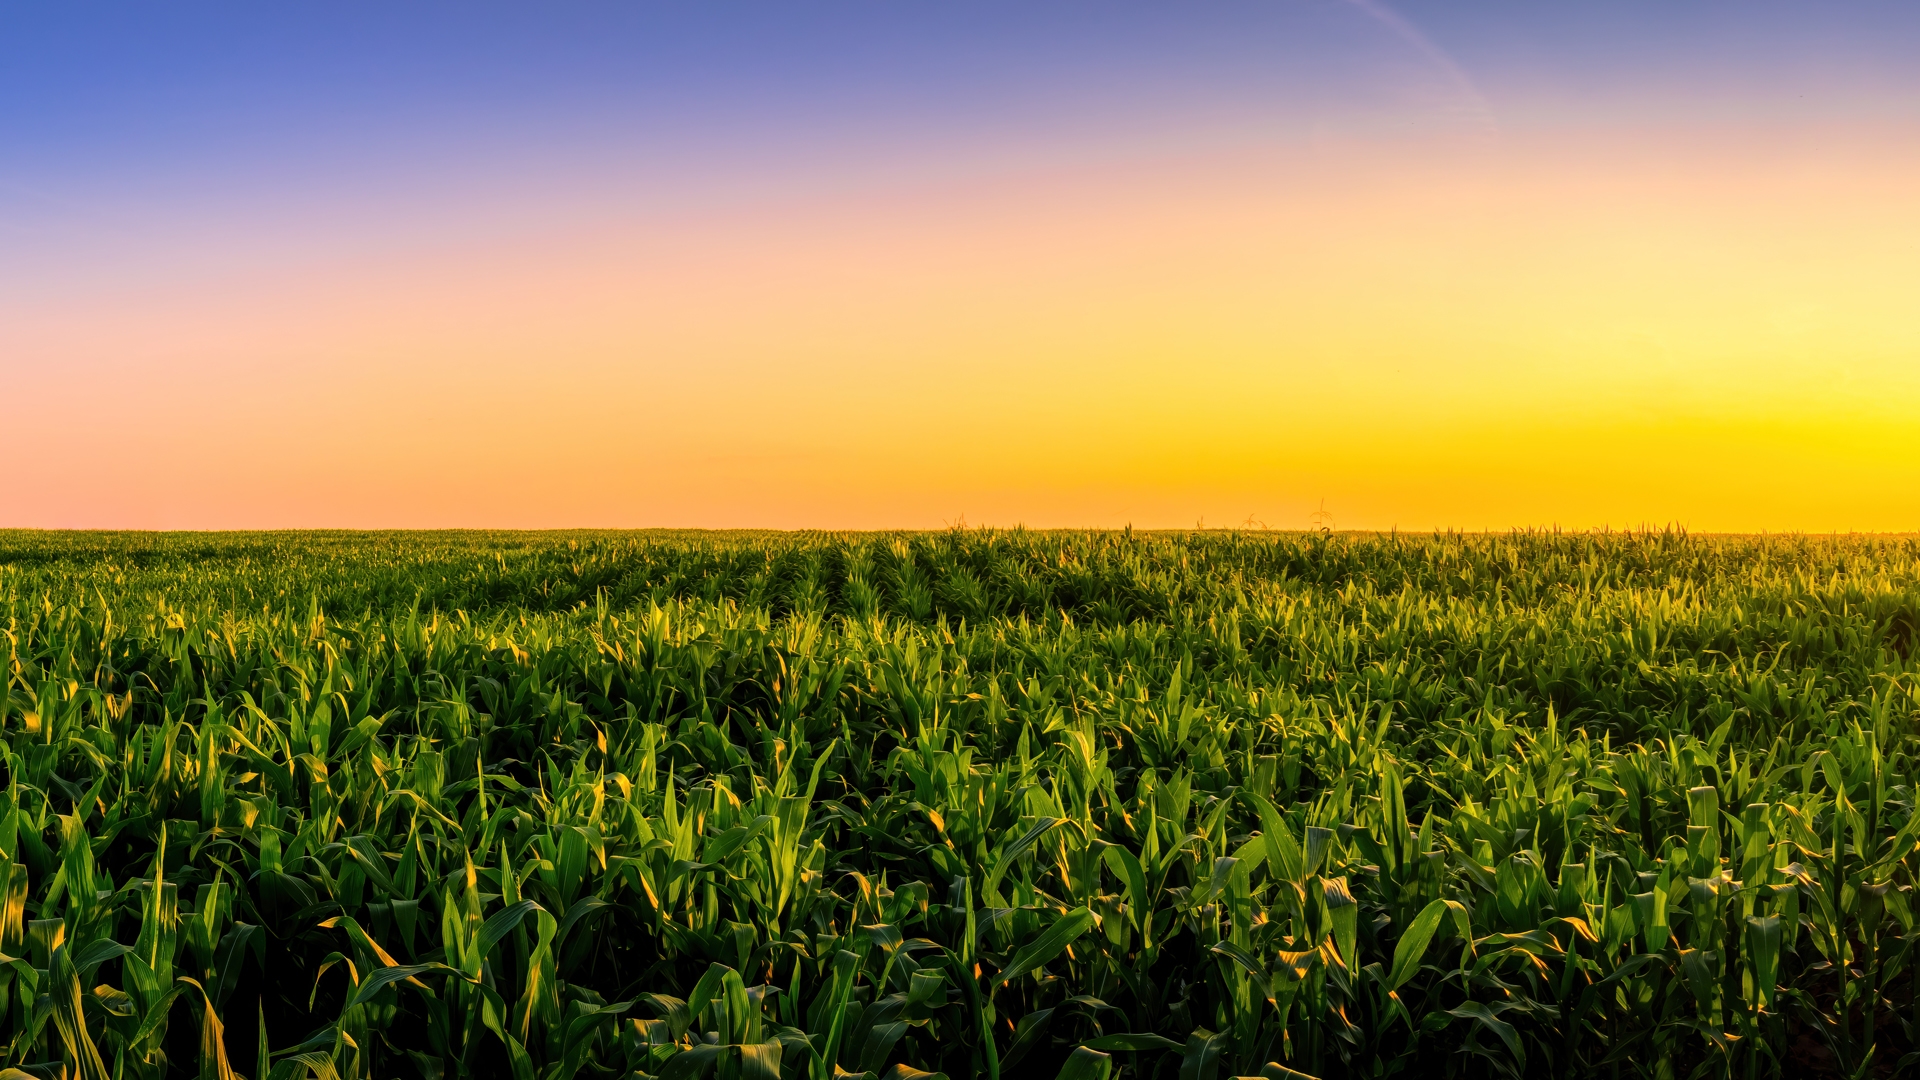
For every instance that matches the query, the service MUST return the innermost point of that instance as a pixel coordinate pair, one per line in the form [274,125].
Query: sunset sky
[1435,264]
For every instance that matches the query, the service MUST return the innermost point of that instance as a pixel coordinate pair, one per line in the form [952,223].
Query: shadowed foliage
[567,805]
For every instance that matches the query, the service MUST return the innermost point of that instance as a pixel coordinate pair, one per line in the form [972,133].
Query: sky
[1470,264]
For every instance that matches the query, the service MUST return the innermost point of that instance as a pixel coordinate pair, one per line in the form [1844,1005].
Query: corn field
[967,804]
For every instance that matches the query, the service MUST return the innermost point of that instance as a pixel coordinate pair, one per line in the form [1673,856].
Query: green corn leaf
[1011,852]
[760,1061]
[501,924]
[360,937]
[316,1063]
[1319,841]
[1283,853]
[263,1057]
[908,1072]
[1345,913]
[518,1059]
[1488,1018]
[1650,913]
[1200,1058]
[927,988]
[846,966]
[1132,1041]
[673,1010]
[1086,1064]
[156,1016]
[1219,880]
[88,962]
[1241,957]
[13,904]
[1412,946]
[1762,943]
[577,911]
[213,1048]
[63,984]
[1064,931]
[879,1045]
[1126,866]
[695,1063]
[381,978]
[713,986]
[114,1002]
[1028,1034]
[1703,807]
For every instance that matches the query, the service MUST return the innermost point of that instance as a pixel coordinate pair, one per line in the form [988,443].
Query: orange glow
[1476,334]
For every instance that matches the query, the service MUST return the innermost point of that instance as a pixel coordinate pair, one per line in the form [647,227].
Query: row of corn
[962,804]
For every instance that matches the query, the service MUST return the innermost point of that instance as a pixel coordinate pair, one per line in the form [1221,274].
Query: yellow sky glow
[1483,334]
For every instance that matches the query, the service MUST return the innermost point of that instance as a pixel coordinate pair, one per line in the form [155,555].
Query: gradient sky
[1471,264]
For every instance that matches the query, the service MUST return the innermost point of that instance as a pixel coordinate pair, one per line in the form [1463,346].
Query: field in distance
[559,806]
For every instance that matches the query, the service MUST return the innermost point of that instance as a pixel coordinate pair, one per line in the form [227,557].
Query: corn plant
[965,804]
